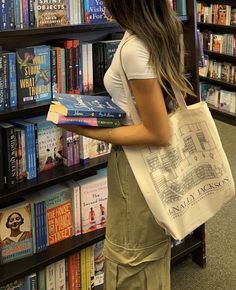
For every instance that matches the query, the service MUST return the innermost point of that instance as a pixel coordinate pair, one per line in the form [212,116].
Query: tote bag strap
[133,111]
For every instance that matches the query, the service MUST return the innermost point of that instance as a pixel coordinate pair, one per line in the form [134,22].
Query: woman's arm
[155,129]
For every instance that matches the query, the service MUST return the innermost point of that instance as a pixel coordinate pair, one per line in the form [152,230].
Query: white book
[227,101]
[84,149]
[93,197]
[60,274]
[213,96]
[50,277]
[98,263]
[75,189]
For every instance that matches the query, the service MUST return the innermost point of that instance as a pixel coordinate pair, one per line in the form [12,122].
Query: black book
[9,158]
[1,162]
[2,107]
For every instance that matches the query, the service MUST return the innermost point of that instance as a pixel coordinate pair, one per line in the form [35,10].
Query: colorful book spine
[69,66]
[5,14]
[68,148]
[54,70]
[6,85]
[2,107]
[32,21]
[17,14]
[59,70]
[75,43]
[11,14]
[63,69]
[12,79]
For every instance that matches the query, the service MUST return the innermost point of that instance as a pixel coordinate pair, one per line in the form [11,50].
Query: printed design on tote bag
[185,167]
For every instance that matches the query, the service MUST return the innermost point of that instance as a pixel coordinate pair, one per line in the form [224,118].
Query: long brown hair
[156,24]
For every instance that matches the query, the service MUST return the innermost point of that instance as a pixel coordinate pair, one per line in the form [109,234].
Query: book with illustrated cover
[233,17]
[96,12]
[58,118]
[203,71]
[93,194]
[33,74]
[98,263]
[51,13]
[227,101]
[50,143]
[86,106]
[98,148]
[59,212]
[15,232]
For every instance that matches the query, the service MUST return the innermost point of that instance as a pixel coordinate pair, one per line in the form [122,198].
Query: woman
[137,250]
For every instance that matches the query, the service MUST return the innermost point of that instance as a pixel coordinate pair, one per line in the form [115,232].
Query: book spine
[41,280]
[68,3]
[84,149]
[12,79]
[1,161]
[69,67]
[6,84]
[25,7]
[83,275]
[67,148]
[33,282]
[90,67]
[76,66]
[35,229]
[2,102]
[11,14]
[60,272]
[63,69]
[88,267]
[17,14]
[76,148]
[9,146]
[54,70]
[181,7]
[44,227]
[80,69]
[36,146]
[59,70]
[33,219]
[33,150]
[5,14]
[50,277]
[32,22]
[85,67]
[21,14]
[70,273]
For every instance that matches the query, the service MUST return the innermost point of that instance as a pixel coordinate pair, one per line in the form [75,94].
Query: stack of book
[85,110]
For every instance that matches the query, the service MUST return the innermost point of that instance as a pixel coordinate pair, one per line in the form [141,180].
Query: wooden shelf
[60,29]
[20,268]
[221,56]
[51,177]
[225,85]
[216,27]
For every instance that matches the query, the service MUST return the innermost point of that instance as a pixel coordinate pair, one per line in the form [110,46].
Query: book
[227,101]
[51,277]
[86,106]
[1,163]
[98,148]
[51,13]
[98,263]
[15,232]
[95,12]
[60,119]
[60,274]
[233,17]
[33,74]
[50,143]
[93,195]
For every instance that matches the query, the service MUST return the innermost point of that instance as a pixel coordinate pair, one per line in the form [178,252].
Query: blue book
[86,106]
[12,79]
[17,13]
[95,12]
[5,14]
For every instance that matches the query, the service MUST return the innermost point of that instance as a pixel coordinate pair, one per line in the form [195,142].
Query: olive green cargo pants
[137,250]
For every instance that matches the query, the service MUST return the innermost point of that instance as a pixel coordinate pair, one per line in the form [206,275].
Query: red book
[75,44]
[68,44]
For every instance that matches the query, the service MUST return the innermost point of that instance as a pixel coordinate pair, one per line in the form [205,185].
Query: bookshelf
[194,245]
[217,113]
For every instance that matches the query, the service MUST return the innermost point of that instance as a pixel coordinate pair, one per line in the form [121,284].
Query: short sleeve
[135,60]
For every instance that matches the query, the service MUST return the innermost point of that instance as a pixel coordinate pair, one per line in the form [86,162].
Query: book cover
[86,106]
[98,148]
[59,214]
[51,13]
[99,263]
[50,143]
[233,17]
[96,12]
[15,232]
[50,277]
[33,74]
[60,274]
[93,194]
[227,101]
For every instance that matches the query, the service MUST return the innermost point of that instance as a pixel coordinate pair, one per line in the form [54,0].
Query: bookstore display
[53,184]
[217,26]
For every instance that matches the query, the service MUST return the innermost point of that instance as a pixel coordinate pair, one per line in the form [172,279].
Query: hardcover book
[93,194]
[51,13]
[86,106]
[15,232]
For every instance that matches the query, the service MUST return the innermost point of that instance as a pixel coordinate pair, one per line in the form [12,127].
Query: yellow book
[88,267]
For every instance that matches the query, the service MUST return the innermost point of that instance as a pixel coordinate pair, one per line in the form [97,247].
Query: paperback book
[60,119]
[86,106]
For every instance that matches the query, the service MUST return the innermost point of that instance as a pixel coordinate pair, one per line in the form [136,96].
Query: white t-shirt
[135,61]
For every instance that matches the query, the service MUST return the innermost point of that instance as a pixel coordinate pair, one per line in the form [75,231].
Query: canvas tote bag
[187,182]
